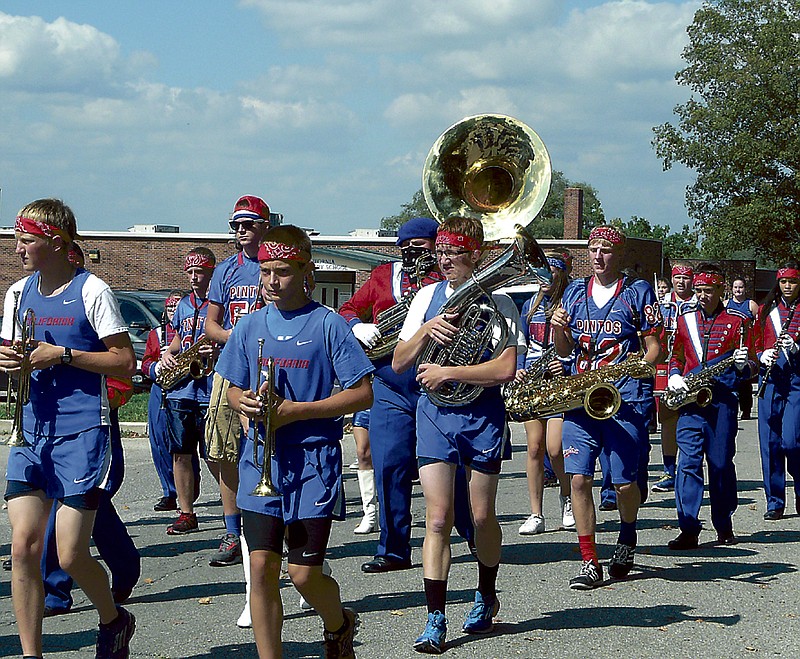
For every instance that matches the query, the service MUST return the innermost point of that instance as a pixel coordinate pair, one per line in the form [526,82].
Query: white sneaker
[567,518]
[532,526]
[326,569]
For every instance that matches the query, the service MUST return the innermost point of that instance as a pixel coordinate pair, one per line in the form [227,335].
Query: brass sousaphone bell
[489,167]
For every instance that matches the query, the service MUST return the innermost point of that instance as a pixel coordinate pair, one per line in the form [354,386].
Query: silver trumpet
[265,487]
[13,338]
[24,387]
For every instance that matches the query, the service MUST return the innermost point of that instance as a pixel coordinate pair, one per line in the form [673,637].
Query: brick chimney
[573,214]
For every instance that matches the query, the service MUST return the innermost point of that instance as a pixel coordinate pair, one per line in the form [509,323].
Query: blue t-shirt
[234,285]
[189,322]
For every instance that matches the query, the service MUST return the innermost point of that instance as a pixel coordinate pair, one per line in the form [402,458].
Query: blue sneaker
[432,639]
[479,619]
[664,484]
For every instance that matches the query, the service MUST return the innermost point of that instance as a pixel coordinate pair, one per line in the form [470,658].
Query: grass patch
[135,410]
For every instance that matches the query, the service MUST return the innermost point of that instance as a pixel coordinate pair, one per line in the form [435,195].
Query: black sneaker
[113,639]
[165,503]
[622,561]
[229,552]
[590,576]
[339,645]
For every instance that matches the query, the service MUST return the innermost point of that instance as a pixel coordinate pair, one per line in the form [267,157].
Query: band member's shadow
[141,594]
[241,650]
[688,570]
[173,548]
[393,599]
[58,642]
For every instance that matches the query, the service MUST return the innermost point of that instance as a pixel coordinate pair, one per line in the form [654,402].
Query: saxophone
[592,390]
[390,321]
[538,371]
[699,384]
[189,364]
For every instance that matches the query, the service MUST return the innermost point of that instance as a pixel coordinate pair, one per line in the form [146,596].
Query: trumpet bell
[264,489]
[489,167]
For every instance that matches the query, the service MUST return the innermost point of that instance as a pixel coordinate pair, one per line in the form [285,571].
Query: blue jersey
[189,322]
[608,334]
[235,285]
[742,307]
[64,400]
[313,347]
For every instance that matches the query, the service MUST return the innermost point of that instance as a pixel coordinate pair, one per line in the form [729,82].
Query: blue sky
[165,112]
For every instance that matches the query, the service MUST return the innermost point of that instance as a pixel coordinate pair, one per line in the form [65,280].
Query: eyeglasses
[243,225]
[450,254]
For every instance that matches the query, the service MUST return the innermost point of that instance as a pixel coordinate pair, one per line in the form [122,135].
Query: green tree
[683,245]
[415,208]
[740,129]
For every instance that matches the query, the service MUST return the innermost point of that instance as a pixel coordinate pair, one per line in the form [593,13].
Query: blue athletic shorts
[61,467]
[623,438]
[186,422]
[473,435]
[361,419]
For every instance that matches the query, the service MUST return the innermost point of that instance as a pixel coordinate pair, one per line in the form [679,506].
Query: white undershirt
[602,294]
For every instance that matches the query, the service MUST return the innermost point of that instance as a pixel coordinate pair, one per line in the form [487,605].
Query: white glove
[769,356]
[740,358]
[158,368]
[677,383]
[788,344]
[367,333]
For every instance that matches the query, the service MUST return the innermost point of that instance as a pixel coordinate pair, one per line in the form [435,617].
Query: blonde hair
[54,212]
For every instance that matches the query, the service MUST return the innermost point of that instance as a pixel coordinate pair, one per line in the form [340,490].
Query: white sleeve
[102,308]
[506,306]
[415,318]
[7,331]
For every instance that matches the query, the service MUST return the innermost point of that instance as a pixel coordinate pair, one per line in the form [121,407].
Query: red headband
[611,234]
[788,273]
[37,228]
[172,301]
[274,251]
[195,260]
[708,279]
[457,240]
[682,270]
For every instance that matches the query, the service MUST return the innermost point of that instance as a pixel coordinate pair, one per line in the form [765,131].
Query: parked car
[142,311]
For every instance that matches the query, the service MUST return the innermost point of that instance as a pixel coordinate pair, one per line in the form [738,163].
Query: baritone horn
[265,486]
[25,349]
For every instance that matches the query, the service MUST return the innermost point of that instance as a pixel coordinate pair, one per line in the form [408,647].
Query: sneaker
[326,570]
[622,561]
[550,478]
[229,552]
[432,639]
[532,526]
[479,619]
[567,518]
[186,523]
[607,506]
[590,576]
[664,484]
[113,639]
[339,645]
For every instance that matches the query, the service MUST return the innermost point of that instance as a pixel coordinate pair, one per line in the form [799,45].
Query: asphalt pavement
[717,601]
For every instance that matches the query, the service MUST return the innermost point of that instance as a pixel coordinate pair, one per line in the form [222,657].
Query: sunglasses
[244,225]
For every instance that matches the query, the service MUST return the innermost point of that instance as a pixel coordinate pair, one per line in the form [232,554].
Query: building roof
[370,259]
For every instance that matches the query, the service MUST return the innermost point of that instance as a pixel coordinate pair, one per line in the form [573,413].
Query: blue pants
[708,432]
[159,442]
[778,439]
[393,443]
[110,536]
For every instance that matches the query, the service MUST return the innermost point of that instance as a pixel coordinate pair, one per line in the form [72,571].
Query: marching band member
[544,434]
[66,423]
[779,400]
[312,348]
[749,309]
[703,338]
[600,323]
[187,402]
[472,435]
[681,300]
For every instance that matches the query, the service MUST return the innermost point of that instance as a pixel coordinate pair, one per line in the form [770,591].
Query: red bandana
[273,251]
[682,270]
[195,260]
[788,273]
[611,234]
[457,240]
[708,279]
[37,228]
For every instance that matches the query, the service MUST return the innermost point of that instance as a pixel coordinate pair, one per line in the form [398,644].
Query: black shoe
[727,538]
[385,564]
[774,515]
[607,505]
[49,612]
[746,416]
[683,542]
[165,503]
[7,564]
